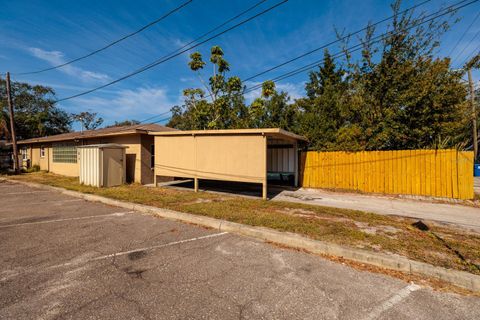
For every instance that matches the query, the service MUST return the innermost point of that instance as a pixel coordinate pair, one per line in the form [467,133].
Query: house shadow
[251,190]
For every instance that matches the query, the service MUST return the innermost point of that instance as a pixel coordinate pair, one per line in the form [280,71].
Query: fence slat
[438,173]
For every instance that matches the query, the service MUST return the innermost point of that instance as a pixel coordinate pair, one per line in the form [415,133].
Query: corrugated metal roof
[276,132]
[113,131]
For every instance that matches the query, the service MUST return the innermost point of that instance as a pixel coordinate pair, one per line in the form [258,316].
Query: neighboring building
[58,153]
[243,155]
[5,155]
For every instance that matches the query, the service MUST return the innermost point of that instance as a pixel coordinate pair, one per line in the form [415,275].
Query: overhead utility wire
[464,33]
[359,46]
[333,42]
[466,46]
[111,43]
[160,61]
[198,38]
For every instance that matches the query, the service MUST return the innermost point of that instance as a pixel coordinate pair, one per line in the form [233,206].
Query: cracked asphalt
[66,258]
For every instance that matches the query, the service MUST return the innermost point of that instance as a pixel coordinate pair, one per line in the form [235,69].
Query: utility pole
[12,124]
[473,63]
[474,114]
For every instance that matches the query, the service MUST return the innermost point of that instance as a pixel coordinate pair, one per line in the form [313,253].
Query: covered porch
[255,156]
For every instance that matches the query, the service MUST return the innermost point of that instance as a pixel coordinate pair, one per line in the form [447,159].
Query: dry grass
[442,246]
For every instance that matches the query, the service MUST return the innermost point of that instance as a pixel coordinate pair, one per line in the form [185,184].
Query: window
[24,153]
[152,156]
[42,152]
[64,153]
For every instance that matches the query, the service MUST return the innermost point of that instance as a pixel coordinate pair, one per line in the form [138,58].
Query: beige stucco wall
[137,157]
[220,157]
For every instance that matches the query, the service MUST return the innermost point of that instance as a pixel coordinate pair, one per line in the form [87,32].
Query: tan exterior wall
[221,157]
[137,157]
[36,158]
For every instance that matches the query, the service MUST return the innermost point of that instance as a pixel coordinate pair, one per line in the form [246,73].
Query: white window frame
[42,151]
[24,152]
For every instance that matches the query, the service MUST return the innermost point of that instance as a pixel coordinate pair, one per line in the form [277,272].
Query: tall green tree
[321,113]
[218,105]
[88,120]
[35,112]
[397,95]
[272,110]
[124,123]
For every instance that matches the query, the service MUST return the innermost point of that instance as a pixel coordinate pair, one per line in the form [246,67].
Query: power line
[216,28]
[333,42]
[359,46]
[464,33]
[474,51]
[467,45]
[162,60]
[111,43]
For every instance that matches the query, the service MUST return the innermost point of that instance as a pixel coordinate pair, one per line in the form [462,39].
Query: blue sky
[36,34]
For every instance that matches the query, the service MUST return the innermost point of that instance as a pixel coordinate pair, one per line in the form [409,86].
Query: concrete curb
[394,262]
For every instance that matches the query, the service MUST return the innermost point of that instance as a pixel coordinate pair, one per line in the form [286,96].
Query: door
[113,167]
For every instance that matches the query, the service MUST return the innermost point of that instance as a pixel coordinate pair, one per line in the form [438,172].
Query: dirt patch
[304,213]
[303,197]
[205,200]
[389,231]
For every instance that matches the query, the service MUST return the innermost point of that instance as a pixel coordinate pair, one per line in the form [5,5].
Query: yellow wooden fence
[437,173]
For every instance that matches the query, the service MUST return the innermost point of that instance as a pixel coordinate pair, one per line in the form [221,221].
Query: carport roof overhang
[270,132]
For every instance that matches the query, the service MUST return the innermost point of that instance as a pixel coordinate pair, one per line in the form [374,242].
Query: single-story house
[241,155]
[58,153]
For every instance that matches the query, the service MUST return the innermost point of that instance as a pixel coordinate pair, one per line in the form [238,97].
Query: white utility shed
[102,165]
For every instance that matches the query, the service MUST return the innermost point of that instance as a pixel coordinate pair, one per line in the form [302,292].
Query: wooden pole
[474,115]
[12,124]
[195,184]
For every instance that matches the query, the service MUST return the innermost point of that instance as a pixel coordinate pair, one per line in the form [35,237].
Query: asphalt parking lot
[66,258]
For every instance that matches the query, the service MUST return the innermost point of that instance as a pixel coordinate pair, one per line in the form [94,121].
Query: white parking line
[118,254]
[77,261]
[25,192]
[118,214]
[390,303]
[54,202]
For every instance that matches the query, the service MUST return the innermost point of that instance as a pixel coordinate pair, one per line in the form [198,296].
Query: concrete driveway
[461,216]
[65,258]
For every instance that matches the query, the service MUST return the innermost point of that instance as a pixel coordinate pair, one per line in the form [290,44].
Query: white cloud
[56,58]
[128,104]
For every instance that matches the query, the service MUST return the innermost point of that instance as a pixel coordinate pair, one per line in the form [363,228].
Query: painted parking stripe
[122,253]
[26,192]
[118,254]
[117,214]
[390,303]
[56,202]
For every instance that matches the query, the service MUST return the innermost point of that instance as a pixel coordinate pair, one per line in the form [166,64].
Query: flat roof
[274,132]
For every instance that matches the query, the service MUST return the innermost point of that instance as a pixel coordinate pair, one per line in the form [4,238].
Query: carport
[241,155]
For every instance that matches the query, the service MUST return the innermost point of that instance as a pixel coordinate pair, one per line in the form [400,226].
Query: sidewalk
[455,214]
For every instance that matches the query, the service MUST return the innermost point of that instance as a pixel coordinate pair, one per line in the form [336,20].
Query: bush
[34,168]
